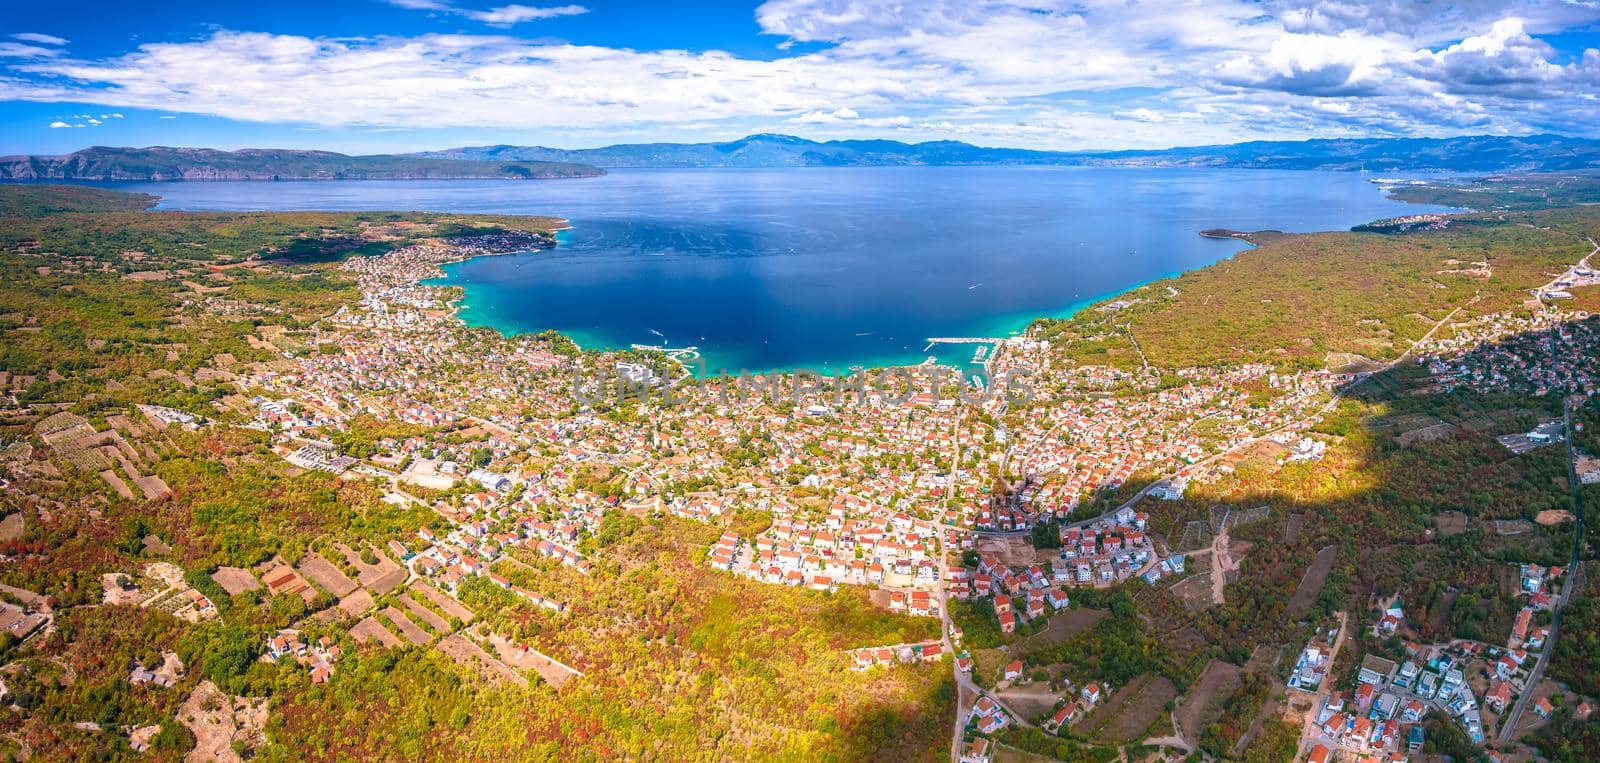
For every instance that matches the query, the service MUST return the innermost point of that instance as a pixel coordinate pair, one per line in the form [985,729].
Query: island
[160,163]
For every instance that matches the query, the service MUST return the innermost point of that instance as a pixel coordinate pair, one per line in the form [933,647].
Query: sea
[832,268]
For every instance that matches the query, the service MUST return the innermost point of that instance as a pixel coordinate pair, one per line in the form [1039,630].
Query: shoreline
[999,327]
[1016,325]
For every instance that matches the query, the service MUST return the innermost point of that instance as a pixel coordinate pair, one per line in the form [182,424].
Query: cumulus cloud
[1505,60]
[1051,73]
[1314,64]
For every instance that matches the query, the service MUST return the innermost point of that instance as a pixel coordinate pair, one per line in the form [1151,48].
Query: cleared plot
[1311,584]
[525,658]
[1439,431]
[369,630]
[426,615]
[1268,709]
[11,527]
[413,632]
[235,580]
[1548,517]
[462,650]
[1195,590]
[1183,641]
[380,577]
[153,487]
[1004,754]
[1069,623]
[1450,522]
[449,605]
[1015,551]
[1030,701]
[1291,528]
[1510,579]
[16,621]
[324,574]
[1062,626]
[1204,703]
[1131,710]
[117,484]
[357,602]
[1439,614]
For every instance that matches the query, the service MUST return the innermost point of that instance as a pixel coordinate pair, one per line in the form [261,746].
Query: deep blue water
[827,268]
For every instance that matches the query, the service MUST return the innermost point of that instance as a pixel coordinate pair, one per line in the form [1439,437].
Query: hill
[1465,154]
[163,163]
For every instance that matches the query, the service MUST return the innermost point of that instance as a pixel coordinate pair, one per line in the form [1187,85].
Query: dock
[962,340]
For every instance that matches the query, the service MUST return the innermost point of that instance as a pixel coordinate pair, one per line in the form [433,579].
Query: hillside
[1474,154]
[163,163]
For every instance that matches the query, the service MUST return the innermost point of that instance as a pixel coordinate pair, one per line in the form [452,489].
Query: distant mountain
[1468,154]
[163,163]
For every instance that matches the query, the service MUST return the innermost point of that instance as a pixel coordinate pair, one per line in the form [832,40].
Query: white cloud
[1050,73]
[502,16]
[58,125]
[42,39]
[420,5]
[19,50]
[508,15]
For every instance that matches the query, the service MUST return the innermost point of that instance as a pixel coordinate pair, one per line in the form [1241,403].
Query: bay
[831,268]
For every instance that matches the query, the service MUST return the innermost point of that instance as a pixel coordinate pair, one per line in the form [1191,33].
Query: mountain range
[1464,154]
[163,163]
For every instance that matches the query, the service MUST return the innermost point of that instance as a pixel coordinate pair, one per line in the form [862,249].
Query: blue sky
[398,75]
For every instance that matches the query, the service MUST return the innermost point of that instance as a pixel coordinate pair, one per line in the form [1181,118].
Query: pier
[962,340]
[676,353]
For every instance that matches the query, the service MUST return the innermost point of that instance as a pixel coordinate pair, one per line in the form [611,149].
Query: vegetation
[161,163]
[1295,299]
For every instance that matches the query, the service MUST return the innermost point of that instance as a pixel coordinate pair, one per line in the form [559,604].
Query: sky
[372,76]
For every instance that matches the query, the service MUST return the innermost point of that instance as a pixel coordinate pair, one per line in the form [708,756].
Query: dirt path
[1222,563]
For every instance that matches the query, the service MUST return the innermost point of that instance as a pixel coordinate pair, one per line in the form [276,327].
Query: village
[928,503]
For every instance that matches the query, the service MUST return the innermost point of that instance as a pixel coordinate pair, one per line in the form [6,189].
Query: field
[1450,522]
[324,574]
[463,650]
[1031,700]
[380,577]
[450,606]
[1125,716]
[427,616]
[413,632]
[370,630]
[1063,625]
[1311,585]
[1202,706]
[235,580]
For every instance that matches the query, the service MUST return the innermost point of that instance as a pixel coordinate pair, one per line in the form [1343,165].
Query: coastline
[996,327]
[1003,327]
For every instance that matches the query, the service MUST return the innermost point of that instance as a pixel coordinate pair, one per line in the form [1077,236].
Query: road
[965,690]
[1308,728]
[1508,724]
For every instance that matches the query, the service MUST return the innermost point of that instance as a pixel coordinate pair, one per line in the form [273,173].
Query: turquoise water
[831,268]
